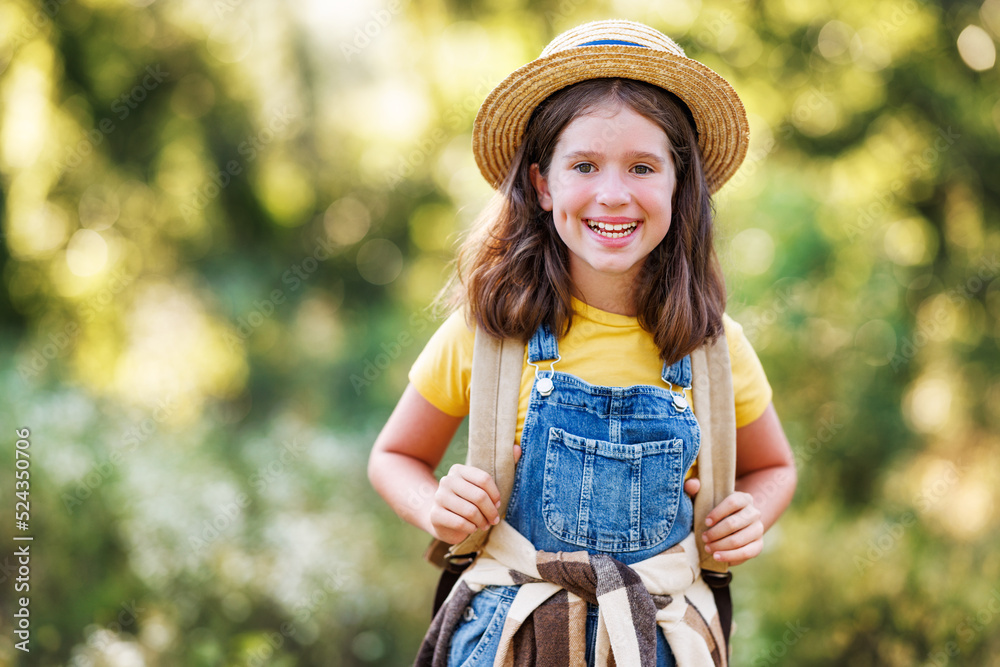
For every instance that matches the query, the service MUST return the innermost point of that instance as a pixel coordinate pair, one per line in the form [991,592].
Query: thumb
[517,453]
[692,486]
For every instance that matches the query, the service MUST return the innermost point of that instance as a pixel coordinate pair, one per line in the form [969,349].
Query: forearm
[405,454]
[407,484]
[772,489]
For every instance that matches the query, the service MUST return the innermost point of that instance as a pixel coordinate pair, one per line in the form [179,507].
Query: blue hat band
[603,42]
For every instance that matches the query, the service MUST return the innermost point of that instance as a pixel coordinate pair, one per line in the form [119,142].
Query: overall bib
[601,470]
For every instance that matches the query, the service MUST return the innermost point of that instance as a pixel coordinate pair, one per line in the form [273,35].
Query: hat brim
[721,120]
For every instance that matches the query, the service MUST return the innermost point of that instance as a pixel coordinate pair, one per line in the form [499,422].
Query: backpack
[496,379]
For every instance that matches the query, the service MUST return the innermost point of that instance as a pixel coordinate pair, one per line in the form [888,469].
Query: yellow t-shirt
[601,348]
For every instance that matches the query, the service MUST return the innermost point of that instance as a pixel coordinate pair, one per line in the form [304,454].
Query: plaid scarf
[545,624]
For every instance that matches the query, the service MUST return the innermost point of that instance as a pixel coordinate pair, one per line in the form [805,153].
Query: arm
[765,483]
[401,468]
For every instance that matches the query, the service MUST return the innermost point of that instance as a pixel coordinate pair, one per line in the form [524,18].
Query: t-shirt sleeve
[750,386]
[442,373]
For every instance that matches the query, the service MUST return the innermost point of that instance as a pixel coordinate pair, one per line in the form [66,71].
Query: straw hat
[613,49]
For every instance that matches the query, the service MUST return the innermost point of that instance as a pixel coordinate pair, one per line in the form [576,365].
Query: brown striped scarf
[545,624]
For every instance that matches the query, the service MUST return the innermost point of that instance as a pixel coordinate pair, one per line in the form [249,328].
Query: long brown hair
[512,271]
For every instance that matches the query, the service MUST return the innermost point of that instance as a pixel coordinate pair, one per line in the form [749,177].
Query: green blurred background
[223,222]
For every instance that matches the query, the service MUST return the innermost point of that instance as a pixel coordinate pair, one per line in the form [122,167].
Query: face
[609,187]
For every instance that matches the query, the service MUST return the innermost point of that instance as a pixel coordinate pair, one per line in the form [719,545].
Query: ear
[541,187]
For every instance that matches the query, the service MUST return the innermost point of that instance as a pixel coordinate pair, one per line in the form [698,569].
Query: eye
[584,168]
[642,169]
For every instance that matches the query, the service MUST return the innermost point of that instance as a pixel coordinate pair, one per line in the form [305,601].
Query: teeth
[612,231]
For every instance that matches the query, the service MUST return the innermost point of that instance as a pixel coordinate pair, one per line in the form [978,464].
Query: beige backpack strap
[712,387]
[495,387]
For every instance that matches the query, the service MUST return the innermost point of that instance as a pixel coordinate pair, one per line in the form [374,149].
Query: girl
[597,252]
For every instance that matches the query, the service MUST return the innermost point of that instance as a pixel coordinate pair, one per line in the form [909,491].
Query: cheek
[569,197]
[656,198]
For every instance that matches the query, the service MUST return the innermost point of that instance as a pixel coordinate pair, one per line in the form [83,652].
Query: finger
[478,477]
[517,453]
[731,504]
[737,540]
[692,486]
[465,509]
[732,524]
[741,555]
[449,526]
[474,492]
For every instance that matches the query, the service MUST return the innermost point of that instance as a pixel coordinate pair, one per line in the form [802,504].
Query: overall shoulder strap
[712,386]
[495,386]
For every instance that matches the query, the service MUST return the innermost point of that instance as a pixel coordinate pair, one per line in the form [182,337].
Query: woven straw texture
[718,112]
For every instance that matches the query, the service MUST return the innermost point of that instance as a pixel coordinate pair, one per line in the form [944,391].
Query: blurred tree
[222,225]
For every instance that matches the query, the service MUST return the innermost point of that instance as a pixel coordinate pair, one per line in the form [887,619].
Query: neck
[612,294]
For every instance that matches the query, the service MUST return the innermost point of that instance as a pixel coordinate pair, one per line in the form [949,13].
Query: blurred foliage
[223,222]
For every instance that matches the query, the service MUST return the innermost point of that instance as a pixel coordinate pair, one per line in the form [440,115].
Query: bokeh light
[222,230]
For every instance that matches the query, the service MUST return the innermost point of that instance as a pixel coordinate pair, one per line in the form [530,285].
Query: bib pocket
[607,496]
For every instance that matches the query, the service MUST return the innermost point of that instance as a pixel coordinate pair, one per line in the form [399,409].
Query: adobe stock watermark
[419,497]
[102,640]
[565,10]
[128,614]
[914,168]
[101,471]
[373,367]
[57,342]
[753,161]
[305,610]
[825,432]
[828,428]
[807,104]
[294,276]
[901,13]
[453,117]
[926,330]
[814,99]
[711,30]
[227,515]
[810,102]
[372,28]
[765,317]
[773,654]
[223,7]
[249,148]
[891,532]
[122,107]
[710,35]
[970,627]
[41,17]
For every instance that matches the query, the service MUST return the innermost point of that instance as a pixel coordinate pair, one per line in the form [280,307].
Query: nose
[612,191]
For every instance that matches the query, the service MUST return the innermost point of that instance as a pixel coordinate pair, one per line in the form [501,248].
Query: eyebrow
[631,155]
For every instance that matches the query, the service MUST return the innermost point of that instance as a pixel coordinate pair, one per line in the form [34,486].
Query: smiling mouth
[612,231]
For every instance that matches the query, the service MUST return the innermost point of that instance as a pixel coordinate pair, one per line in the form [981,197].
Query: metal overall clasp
[677,398]
[544,383]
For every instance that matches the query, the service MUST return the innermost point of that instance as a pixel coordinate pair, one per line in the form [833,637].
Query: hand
[466,500]
[735,533]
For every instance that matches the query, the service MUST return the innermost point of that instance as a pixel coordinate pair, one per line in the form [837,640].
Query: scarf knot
[546,621]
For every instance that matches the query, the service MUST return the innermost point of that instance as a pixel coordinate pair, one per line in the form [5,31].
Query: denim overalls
[601,470]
